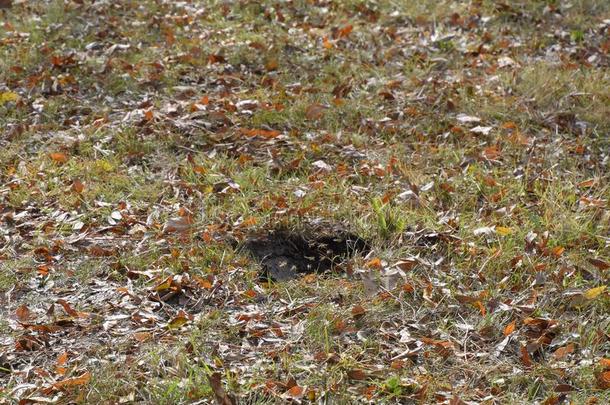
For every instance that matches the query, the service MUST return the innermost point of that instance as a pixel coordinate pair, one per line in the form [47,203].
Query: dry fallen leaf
[603,380]
[358,311]
[563,351]
[294,392]
[594,292]
[222,398]
[23,313]
[525,357]
[510,328]
[77,186]
[356,374]
[180,224]
[73,382]
[315,111]
[58,157]
[600,264]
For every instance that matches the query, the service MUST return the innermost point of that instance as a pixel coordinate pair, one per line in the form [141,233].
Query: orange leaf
[345,31]
[203,282]
[73,382]
[326,43]
[23,313]
[491,152]
[62,359]
[603,380]
[250,293]
[294,392]
[558,251]
[374,263]
[58,157]
[262,133]
[605,363]
[510,328]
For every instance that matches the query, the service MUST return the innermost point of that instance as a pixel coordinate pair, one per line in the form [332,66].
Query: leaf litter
[157,161]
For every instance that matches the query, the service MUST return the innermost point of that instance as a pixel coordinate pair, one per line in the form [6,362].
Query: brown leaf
[73,382]
[564,388]
[181,224]
[272,64]
[358,311]
[605,363]
[563,351]
[356,374]
[600,264]
[222,398]
[525,357]
[58,157]
[23,313]
[406,264]
[552,400]
[77,186]
[315,111]
[603,380]
[71,311]
[142,336]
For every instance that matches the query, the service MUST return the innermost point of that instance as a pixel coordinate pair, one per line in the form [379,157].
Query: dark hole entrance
[286,254]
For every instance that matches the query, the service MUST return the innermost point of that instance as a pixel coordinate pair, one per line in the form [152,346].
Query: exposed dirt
[286,254]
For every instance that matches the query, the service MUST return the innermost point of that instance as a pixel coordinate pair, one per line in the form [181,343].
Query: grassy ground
[143,141]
